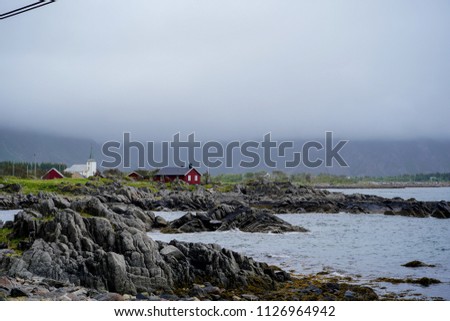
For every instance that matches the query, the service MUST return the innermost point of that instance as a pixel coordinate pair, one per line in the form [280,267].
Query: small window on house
[189,178]
[196,178]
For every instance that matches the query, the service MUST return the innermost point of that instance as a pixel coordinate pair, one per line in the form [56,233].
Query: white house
[82,170]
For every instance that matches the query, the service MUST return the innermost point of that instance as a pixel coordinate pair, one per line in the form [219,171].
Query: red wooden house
[52,174]
[135,176]
[186,174]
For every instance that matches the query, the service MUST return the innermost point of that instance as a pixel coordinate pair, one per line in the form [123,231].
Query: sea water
[362,246]
[435,194]
[8,215]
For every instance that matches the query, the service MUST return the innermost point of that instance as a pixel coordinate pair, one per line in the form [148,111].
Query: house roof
[135,174]
[77,168]
[52,170]
[174,171]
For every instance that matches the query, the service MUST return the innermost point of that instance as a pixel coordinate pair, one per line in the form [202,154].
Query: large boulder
[227,218]
[90,251]
[251,220]
[221,267]
[442,210]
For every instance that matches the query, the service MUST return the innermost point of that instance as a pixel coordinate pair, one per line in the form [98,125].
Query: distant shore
[383,185]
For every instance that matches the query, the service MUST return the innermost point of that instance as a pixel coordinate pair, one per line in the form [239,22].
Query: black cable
[32,6]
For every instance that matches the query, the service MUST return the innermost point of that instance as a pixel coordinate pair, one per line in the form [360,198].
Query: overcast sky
[228,69]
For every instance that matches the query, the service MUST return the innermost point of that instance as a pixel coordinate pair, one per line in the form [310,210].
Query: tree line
[26,170]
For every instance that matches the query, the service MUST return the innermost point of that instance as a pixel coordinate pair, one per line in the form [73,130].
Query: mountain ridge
[364,157]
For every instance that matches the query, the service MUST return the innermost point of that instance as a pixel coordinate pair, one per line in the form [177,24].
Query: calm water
[365,247]
[8,215]
[362,246]
[420,194]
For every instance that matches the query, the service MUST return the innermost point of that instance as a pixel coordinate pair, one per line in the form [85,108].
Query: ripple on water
[368,245]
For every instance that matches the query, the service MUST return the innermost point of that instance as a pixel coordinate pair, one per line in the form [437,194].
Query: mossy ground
[300,288]
[422,281]
[319,288]
[11,243]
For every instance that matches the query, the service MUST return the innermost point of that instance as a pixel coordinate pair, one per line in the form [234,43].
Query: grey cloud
[229,68]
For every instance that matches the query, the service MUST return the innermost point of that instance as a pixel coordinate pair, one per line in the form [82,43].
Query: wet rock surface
[417,264]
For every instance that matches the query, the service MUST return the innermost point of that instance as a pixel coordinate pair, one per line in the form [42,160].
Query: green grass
[4,233]
[86,215]
[35,186]
[152,186]
[67,186]
[12,244]
[225,188]
[44,219]
[223,182]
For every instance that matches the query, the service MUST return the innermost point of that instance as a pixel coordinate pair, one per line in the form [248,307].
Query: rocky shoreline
[276,198]
[91,243]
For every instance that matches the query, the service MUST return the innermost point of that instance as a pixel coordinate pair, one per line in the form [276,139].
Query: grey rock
[93,246]
[169,297]
[250,220]
[250,297]
[47,207]
[55,283]
[172,251]
[243,218]
[17,293]
[210,289]
[197,291]
[11,188]
[442,210]
[118,280]
[160,222]
[109,297]
[141,297]
[349,294]
[92,206]
[61,202]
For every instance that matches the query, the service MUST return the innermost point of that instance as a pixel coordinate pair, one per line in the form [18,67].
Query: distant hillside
[385,158]
[374,158]
[17,145]
[365,158]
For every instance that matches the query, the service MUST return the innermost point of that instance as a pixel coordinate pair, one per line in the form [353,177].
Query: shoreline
[383,186]
[101,231]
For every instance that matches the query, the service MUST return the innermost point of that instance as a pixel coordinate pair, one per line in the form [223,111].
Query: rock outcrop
[223,218]
[275,197]
[107,251]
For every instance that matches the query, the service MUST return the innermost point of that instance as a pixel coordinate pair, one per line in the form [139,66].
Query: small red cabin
[52,174]
[169,174]
[135,176]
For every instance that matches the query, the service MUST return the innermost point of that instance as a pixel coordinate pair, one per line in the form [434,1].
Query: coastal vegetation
[221,182]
